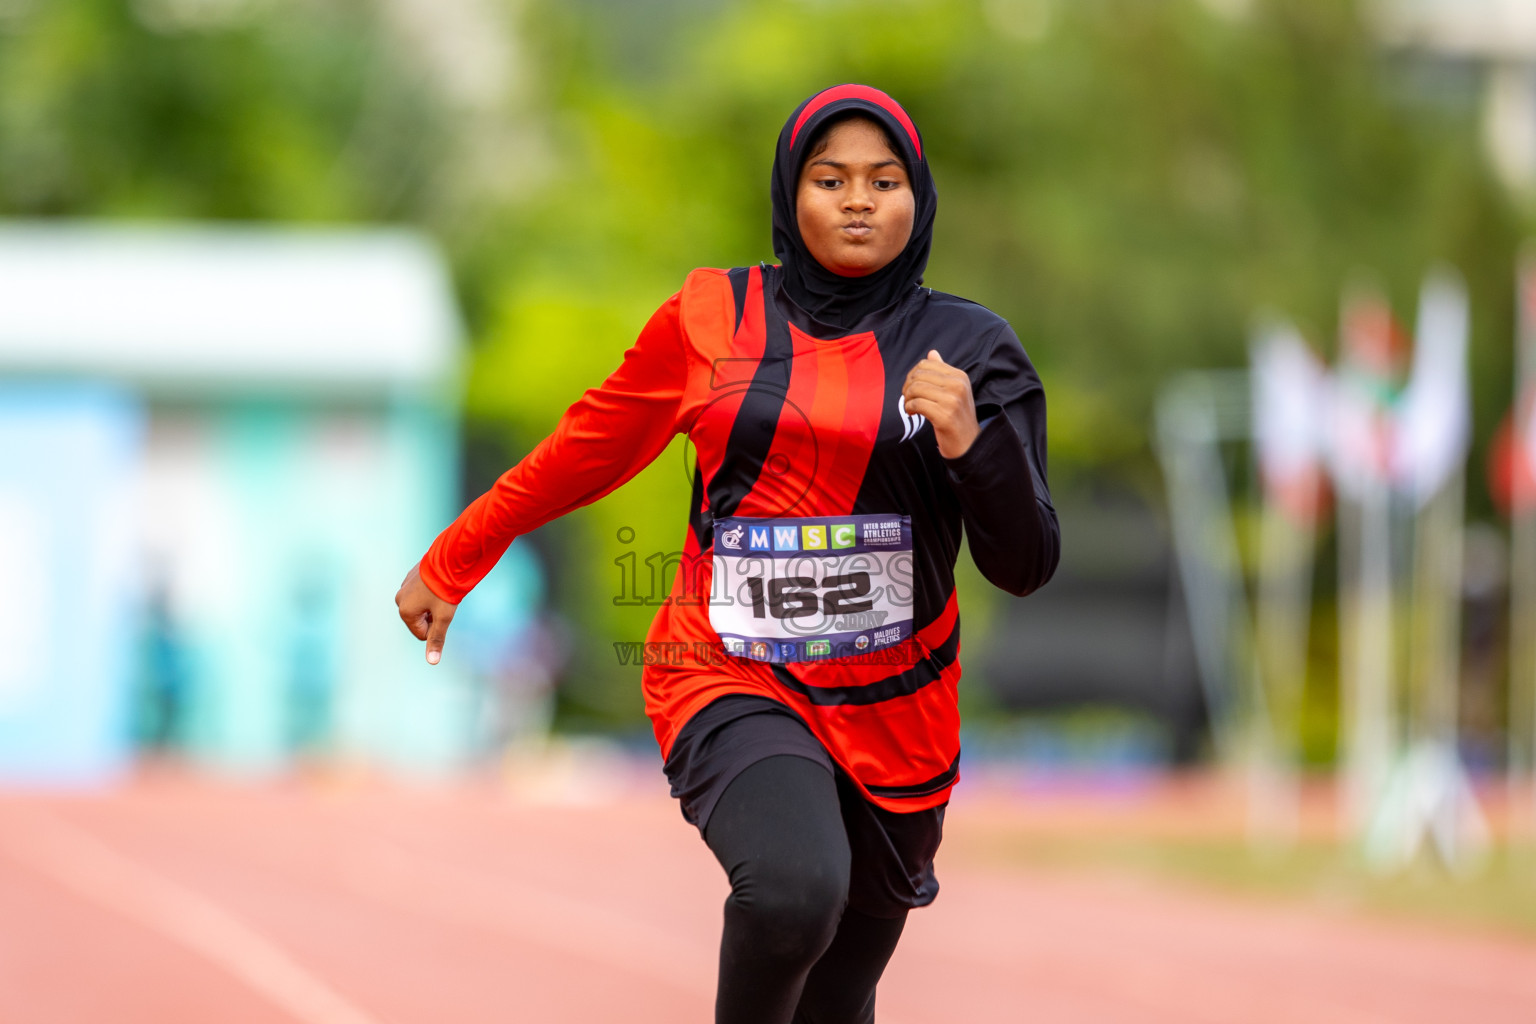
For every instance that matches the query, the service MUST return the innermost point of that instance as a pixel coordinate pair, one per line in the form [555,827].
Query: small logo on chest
[911,422]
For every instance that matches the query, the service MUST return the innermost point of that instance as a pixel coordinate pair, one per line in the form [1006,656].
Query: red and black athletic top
[790,418]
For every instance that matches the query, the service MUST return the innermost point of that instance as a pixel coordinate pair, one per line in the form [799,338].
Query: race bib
[790,590]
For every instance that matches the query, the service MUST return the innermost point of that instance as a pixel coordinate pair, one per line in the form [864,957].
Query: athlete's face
[854,203]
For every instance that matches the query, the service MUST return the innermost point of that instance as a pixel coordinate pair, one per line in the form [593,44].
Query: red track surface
[174,901]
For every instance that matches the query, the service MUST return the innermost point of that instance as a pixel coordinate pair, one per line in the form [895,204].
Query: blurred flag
[1373,349]
[1512,456]
[1511,463]
[1435,417]
[1291,399]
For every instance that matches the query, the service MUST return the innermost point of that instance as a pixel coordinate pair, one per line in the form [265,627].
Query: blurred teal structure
[67,453]
[220,451]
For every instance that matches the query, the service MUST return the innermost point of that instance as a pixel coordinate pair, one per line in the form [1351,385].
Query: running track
[178,901]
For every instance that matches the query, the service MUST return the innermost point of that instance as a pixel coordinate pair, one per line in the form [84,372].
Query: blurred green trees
[1128,181]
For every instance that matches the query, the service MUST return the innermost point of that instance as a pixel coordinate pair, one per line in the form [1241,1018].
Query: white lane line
[96,872]
[463,896]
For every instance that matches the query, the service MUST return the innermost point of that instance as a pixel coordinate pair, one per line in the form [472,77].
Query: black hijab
[831,298]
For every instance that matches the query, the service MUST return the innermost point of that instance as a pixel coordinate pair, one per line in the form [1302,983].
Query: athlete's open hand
[942,393]
[424,613]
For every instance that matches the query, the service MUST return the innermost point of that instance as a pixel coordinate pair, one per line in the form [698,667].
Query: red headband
[857,92]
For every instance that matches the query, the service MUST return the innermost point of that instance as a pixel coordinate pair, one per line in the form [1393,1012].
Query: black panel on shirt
[756,422]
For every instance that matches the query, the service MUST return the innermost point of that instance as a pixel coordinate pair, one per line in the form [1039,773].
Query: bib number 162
[799,597]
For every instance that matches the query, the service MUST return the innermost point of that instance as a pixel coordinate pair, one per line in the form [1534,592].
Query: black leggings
[793,952]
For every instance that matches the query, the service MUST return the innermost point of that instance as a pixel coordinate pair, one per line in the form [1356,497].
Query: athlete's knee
[790,910]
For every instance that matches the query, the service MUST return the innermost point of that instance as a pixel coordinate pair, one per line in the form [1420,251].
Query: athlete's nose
[859,199]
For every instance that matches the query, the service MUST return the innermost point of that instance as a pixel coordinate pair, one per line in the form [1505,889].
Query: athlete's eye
[827,183]
[887,185]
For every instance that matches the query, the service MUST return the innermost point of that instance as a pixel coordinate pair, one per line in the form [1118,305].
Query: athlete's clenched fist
[425,614]
[942,393]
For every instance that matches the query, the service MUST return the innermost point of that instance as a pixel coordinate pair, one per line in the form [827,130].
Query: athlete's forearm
[565,472]
[1012,529]
[604,439]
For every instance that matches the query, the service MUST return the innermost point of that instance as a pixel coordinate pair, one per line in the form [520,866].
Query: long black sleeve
[1005,501]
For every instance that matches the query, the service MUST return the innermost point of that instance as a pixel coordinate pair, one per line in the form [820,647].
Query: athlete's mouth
[857,228]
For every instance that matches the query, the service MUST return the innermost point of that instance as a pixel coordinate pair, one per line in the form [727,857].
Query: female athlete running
[848,423]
